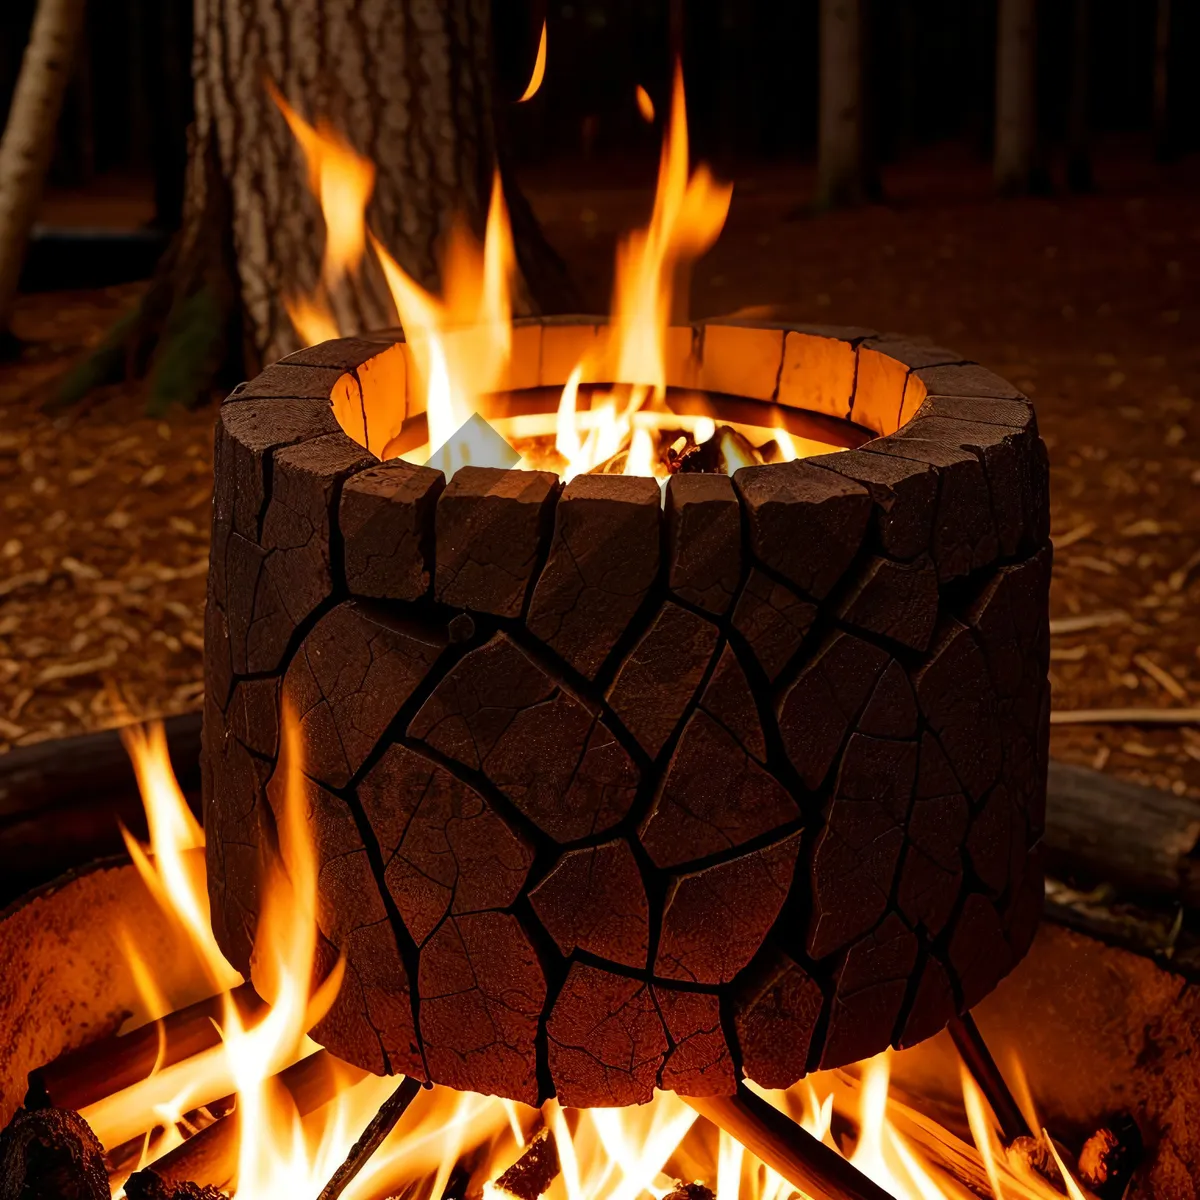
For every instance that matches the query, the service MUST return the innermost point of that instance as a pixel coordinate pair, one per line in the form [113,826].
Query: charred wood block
[594,900]
[349,679]
[714,797]
[820,709]
[773,620]
[385,516]
[704,536]
[804,523]
[931,878]
[964,531]
[858,850]
[894,600]
[491,527]
[656,683]
[979,954]
[891,711]
[499,713]
[728,700]
[445,848]
[871,986]
[776,1007]
[482,995]
[606,1039]
[903,495]
[956,696]
[149,1185]
[833,763]
[603,558]
[932,1008]
[51,1154]
[716,919]
[531,1175]
[699,1062]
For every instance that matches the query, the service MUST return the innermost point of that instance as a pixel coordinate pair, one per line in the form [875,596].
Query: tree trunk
[1079,154]
[1015,96]
[28,143]
[840,137]
[1163,142]
[411,86]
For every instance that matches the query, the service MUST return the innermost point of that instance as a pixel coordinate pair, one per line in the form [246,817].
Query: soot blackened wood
[656,682]
[819,710]
[804,523]
[871,986]
[891,712]
[603,558]
[858,851]
[594,900]
[704,536]
[966,380]
[776,1008]
[716,919]
[894,600]
[385,516]
[532,1174]
[728,700]
[1018,414]
[933,1005]
[498,712]
[149,1185]
[773,620]
[606,1039]
[903,495]
[964,532]
[348,680]
[989,842]
[446,849]
[979,954]
[491,526]
[714,797]
[699,1062]
[482,995]
[51,1154]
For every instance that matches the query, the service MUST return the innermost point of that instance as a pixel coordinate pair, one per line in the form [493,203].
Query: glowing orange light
[539,69]
[645,105]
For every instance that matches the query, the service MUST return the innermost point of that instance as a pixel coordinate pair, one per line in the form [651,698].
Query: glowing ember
[604,1154]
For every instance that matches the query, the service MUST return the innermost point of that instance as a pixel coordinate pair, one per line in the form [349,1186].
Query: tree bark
[1015,146]
[28,143]
[840,137]
[411,86]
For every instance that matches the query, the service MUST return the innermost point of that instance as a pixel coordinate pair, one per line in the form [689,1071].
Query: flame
[343,181]
[645,104]
[539,69]
[461,342]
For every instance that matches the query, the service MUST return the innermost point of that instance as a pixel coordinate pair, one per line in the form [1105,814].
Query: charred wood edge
[776,1140]
[83,1076]
[378,1128]
[978,1060]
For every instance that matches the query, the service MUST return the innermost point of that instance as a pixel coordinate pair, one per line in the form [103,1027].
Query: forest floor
[1090,304]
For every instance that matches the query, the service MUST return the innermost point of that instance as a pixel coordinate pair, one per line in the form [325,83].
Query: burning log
[646,687]
[51,1154]
[82,1077]
[147,1185]
[532,1174]
[978,1060]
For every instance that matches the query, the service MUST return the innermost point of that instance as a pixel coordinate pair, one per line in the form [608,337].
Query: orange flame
[539,69]
[645,104]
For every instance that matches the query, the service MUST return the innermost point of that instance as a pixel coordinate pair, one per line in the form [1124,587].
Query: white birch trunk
[28,144]
[1015,146]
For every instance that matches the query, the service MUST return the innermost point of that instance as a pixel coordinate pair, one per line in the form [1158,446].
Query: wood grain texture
[616,790]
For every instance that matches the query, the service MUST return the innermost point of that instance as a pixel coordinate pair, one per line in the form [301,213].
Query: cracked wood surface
[610,794]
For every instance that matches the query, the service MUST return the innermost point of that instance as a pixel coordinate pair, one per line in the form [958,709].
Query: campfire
[624,733]
[224,1089]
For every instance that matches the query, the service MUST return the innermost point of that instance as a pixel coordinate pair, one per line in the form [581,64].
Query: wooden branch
[1142,839]
[978,1060]
[1125,716]
[380,1125]
[81,1077]
[776,1140]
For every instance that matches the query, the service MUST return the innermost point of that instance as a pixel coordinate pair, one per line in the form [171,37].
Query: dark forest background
[751,69]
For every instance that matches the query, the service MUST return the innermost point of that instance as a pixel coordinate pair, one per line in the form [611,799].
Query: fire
[604,1154]
[539,69]
[645,104]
